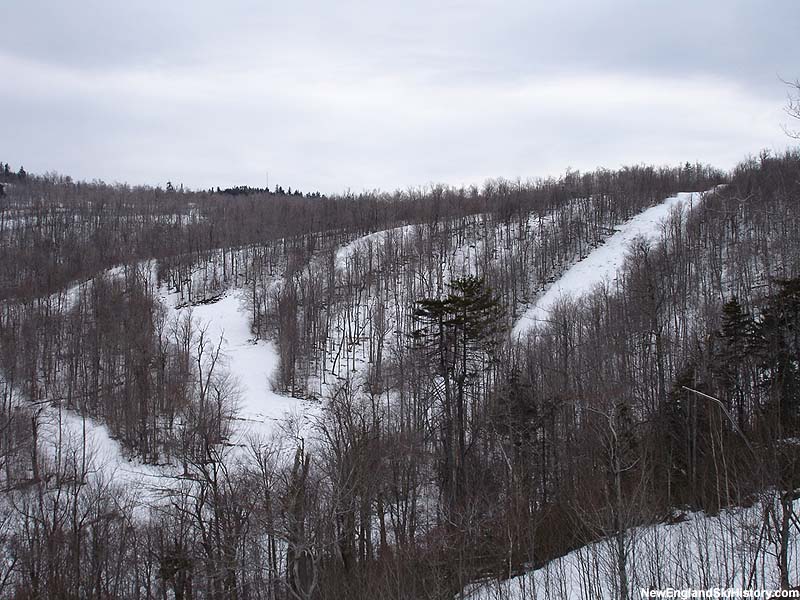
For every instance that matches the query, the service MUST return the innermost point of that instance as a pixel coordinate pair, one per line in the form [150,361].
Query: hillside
[400,395]
[729,550]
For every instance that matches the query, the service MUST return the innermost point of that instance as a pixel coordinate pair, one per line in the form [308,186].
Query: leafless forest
[439,448]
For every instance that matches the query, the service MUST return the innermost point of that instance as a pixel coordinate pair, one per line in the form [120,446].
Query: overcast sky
[362,95]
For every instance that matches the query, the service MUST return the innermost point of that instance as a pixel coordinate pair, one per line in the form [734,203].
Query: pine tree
[736,339]
[778,345]
[682,438]
[458,332]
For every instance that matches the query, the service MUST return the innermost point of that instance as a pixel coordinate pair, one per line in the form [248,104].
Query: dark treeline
[246,190]
[444,450]
[55,231]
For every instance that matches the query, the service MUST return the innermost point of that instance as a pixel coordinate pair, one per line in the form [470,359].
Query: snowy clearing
[258,408]
[66,435]
[603,263]
[345,253]
[251,362]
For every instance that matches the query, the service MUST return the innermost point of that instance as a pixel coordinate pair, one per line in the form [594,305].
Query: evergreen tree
[458,332]
[778,344]
[682,438]
[736,339]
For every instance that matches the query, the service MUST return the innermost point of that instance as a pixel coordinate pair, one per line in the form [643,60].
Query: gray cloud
[368,94]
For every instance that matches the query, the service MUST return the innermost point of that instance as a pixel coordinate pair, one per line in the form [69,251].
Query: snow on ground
[603,263]
[734,549]
[464,259]
[345,253]
[62,434]
[65,435]
[253,364]
[67,298]
[348,351]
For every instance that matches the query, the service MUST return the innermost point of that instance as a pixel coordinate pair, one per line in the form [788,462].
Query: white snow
[603,263]
[62,434]
[252,363]
[345,252]
[259,408]
[734,549]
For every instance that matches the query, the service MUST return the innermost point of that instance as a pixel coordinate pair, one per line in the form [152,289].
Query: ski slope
[350,349]
[346,252]
[737,548]
[64,434]
[252,363]
[603,263]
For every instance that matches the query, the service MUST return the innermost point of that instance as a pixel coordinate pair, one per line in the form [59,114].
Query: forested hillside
[256,395]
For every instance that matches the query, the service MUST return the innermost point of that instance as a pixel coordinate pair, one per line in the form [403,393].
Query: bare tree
[793,107]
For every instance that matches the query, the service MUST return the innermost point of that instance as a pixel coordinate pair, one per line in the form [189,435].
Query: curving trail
[252,363]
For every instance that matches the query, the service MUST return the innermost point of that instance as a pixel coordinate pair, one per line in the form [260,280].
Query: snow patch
[736,548]
[66,435]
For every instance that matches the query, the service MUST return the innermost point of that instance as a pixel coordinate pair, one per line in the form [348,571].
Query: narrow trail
[603,263]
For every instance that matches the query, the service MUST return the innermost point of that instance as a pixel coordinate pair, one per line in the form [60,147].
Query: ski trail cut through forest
[252,364]
[604,262]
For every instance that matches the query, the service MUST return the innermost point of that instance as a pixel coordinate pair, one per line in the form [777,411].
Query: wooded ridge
[430,446]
